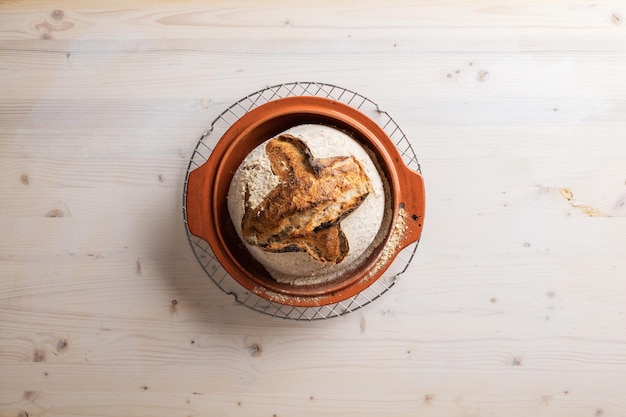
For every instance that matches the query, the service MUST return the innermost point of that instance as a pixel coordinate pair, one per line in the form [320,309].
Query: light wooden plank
[183,404]
[143,22]
[451,71]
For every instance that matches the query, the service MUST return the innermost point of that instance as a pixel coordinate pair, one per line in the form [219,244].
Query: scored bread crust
[303,212]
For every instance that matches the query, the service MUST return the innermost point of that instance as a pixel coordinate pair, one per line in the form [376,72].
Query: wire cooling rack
[203,150]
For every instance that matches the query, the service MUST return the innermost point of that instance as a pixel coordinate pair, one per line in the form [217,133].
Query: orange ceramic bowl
[208,185]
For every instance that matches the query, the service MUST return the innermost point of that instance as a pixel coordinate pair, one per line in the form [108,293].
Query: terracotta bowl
[208,185]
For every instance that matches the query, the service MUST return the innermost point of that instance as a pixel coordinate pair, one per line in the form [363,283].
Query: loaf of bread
[308,204]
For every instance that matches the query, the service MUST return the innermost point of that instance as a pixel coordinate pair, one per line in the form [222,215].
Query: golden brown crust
[303,212]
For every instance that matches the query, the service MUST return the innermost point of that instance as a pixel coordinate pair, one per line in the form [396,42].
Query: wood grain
[513,306]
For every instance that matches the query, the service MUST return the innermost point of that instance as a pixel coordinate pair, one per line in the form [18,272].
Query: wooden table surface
[515,304]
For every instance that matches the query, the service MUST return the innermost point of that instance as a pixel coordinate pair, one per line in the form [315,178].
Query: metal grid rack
[203,150]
